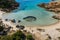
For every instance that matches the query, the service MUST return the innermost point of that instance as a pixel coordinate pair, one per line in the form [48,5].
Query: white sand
[51,30]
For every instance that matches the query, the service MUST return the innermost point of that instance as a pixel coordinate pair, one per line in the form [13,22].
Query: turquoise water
[30,8]
[30,4]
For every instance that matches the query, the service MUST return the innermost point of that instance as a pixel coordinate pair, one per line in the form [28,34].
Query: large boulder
[56,17]
[20,26]
[13,21]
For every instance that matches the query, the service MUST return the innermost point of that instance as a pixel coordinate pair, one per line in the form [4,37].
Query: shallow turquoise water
[30,8]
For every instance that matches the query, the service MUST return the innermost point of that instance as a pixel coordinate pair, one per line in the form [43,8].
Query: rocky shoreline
[8,5]
[52,6]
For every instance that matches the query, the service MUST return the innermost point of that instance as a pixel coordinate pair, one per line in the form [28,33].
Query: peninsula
[8,5]
[52,6]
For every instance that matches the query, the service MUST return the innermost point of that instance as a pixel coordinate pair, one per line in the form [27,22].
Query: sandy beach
[46,32]
[40,35]
[51,30]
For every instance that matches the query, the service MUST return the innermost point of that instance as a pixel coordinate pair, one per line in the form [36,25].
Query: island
[8,5]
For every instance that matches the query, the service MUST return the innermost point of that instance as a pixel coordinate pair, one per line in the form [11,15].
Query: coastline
[34,28]
[46,26]
[41,35]
[41,32]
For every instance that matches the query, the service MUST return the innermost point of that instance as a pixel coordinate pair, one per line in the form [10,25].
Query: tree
[8,5]
[5,38]
[29,37]
[18,36]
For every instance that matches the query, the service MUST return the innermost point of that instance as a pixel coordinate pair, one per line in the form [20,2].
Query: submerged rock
[6,19]
[53,0]
[41,5]
[13,21]
[30,18]
[19,21]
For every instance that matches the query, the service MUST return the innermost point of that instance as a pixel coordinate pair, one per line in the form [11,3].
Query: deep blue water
[30,8]
[30,4]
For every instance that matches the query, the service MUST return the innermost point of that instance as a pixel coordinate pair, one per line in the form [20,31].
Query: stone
[30,18]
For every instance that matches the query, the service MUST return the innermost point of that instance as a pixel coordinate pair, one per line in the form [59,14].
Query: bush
[17,36]
[29,37]
[1,28]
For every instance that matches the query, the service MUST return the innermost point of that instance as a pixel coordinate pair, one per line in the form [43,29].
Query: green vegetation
[29,37]
[19,35]
[1,28]
[8,5]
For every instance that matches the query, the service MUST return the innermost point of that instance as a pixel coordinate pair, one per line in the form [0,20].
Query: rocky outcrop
[52,6]
[8,5]
[42,5]
[13,21]
[20,26]
[30,18]
[56,17]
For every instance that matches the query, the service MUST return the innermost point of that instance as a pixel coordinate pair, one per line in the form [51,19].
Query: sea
[30,8]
